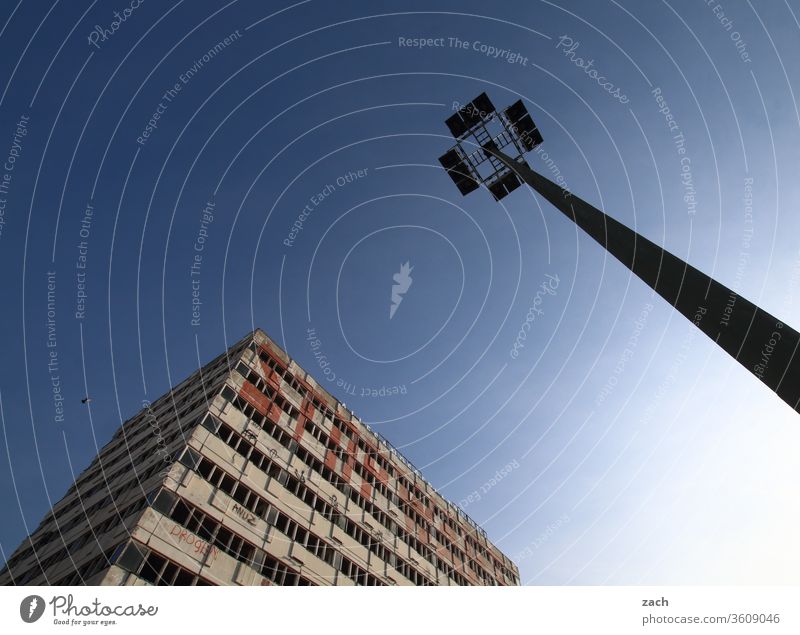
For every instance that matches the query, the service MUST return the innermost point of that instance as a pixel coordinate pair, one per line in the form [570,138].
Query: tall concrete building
[250,473]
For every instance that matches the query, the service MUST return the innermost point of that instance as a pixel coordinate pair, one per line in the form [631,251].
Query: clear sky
[617,445]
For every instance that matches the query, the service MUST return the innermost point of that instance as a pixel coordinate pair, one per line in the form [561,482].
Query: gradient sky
[683,471]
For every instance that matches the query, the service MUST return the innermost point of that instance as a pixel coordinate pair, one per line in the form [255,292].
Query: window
[228,394]
[190,458]
[152,567]
[163,501]
[131,557]
[155,568]
[282,575]
[211,423]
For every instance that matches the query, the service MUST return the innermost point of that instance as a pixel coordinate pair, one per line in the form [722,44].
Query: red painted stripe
[255,397]
[274,379]
[330,460]
[275,412]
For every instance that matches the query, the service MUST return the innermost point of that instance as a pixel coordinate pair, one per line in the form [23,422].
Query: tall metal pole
[760,342]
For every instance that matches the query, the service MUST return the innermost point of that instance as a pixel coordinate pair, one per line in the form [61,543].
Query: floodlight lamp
[478,126]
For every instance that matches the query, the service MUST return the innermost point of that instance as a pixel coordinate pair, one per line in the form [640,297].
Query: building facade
[250,473]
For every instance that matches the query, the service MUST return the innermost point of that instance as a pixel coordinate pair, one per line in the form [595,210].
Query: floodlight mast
[763,344]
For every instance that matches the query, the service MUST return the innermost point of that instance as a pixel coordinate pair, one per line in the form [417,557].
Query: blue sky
[630,450]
